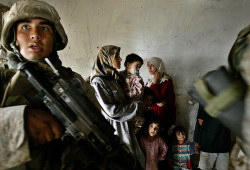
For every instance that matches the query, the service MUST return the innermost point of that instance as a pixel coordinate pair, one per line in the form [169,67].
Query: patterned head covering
[103,65]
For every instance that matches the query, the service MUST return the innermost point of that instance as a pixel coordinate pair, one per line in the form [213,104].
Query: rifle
[83,122]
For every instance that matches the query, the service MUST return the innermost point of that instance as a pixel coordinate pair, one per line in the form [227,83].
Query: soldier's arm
[21,125]
[14,148]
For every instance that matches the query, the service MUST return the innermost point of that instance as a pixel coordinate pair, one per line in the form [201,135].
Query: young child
[148,114]
[153,146]
[181,150]
[148,98]
[148,102]
[134,84]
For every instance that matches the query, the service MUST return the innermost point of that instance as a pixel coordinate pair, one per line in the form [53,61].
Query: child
[150,106]
[181,150]
[148,102]
[153,146]
[148,98]
[148,114]
[134,84]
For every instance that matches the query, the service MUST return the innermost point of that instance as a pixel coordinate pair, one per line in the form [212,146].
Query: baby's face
[132,67]
[153,129]
[181,137]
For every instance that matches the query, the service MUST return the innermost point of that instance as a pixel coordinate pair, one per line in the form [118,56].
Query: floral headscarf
[103,65]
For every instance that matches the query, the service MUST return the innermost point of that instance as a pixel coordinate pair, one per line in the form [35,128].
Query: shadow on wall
[185,73]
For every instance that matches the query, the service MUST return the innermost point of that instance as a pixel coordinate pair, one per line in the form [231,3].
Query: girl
[181,150]
[153,146]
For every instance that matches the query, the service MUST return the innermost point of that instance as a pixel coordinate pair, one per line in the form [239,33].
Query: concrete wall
[191,36]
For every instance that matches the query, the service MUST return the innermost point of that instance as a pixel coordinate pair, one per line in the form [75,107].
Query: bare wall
[191,36]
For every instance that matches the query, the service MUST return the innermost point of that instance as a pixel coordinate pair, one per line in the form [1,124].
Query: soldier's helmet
[25,9]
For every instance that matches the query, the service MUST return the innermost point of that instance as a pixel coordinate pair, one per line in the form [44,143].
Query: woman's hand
[156,77]
[41,126]
[161,104]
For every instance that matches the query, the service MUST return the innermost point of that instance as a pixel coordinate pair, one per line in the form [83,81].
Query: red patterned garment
[134,86]
[155,150]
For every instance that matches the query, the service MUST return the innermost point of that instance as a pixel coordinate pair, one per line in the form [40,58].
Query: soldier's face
[35,38]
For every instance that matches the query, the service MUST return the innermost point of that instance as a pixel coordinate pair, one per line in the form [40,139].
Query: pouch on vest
[225,95]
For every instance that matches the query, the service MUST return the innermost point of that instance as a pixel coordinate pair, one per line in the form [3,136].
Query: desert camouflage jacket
[15,150]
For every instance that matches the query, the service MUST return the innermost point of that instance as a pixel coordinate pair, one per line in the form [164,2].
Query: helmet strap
[15,47]
[16,51]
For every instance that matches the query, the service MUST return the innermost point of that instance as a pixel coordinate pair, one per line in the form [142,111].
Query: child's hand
[200,122]
[137,72]
[196,148]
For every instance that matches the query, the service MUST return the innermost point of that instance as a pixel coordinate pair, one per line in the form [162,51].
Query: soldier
[29,133]
[239,61]
[225,95]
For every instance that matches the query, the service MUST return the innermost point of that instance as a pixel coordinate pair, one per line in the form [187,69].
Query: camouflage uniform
[17,93]
[239,59]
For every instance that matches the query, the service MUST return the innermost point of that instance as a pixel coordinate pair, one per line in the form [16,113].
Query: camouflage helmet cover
[31,9]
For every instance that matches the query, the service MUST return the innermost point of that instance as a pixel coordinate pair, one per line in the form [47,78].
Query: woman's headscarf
[103,65]
[158,63]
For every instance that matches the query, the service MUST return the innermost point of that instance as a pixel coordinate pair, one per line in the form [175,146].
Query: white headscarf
[158,63]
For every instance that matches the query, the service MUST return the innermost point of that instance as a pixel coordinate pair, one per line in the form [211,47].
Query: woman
[111,96]
[162,85]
